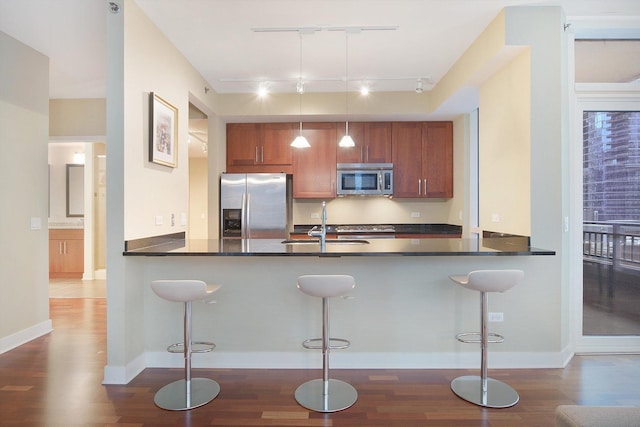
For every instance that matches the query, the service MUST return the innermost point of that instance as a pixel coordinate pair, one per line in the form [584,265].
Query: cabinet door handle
[65,247]
[255,154]
[367,151]
[60,248]
[425,187]
[361,154]
[419,187]
[261,154]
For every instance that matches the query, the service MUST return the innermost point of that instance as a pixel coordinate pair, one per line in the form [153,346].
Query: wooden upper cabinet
[259,147]
[275,148]
[372,139]
[437,159]
[407,159]
[242,140]
[314,168]
[422,159]
[421,153]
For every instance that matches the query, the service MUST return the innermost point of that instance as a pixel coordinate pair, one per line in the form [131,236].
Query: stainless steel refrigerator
[254,206]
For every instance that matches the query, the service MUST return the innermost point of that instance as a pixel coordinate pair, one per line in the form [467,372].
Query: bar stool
[326,395]
[187,393]
[482,390]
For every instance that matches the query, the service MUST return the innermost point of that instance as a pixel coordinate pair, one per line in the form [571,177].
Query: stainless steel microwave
[365,179]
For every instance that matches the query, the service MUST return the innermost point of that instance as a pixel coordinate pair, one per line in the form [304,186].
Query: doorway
[198,174]
[611,223]
[77,211]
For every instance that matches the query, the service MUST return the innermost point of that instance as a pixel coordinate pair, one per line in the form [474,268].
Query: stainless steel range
[365,231]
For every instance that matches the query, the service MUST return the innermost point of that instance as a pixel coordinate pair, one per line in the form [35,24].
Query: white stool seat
[326,286]
[482,390]
[184,290]
[489,280]
[187,393]
[326,395]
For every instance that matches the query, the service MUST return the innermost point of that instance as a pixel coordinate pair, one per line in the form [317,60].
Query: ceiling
[218,38]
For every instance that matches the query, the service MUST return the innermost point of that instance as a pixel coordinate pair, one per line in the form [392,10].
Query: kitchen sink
[328,241]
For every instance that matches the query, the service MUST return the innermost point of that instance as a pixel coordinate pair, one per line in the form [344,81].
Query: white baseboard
[15,340]
[123,374]
[351,360]
[339,360]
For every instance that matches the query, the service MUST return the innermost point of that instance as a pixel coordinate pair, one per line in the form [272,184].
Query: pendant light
[346,140]
[300,141]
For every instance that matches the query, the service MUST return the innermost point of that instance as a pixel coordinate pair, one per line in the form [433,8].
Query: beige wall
[77,117]
[152,190]
[505,141]
[24,264]
[198,200]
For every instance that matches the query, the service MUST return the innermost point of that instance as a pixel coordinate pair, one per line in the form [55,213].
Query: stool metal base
[496,395]
[341,395]
[175,396]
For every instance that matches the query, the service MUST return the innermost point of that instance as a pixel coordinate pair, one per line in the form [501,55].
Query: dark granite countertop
[372,247]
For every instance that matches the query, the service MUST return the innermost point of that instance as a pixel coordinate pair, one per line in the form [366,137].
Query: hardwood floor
[55,380]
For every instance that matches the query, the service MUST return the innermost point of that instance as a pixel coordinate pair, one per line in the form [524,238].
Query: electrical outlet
[496,317]
[495,217]
[315,215]
[415,214]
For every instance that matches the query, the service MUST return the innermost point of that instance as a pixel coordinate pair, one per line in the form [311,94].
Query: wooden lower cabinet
[66,253]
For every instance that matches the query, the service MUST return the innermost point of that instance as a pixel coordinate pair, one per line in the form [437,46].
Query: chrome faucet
[322,232]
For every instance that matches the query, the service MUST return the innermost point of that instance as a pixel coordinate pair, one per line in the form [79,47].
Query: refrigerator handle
[247,214]
[243,217]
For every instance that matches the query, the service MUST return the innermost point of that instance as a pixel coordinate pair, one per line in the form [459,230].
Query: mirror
[75,190]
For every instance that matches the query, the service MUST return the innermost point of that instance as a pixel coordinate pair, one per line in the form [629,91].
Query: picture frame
[163,131]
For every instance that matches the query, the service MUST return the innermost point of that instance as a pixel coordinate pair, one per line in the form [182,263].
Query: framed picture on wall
[163,131]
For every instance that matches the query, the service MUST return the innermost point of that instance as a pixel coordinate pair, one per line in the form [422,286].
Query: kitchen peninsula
[501,246]
[404,314]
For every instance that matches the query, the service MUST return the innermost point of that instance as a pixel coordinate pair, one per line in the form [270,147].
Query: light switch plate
[35,223]
[159,220]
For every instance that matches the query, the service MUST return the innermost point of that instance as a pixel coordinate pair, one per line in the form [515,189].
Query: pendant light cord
[300,85]
[346,80]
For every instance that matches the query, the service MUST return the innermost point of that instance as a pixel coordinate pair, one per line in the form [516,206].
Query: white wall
[24,264]
[140,61]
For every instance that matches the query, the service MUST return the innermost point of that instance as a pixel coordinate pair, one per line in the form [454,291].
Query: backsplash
[372,210]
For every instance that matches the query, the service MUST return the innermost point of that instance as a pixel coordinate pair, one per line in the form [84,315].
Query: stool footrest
[477,338]
[196,347]
[340,343]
